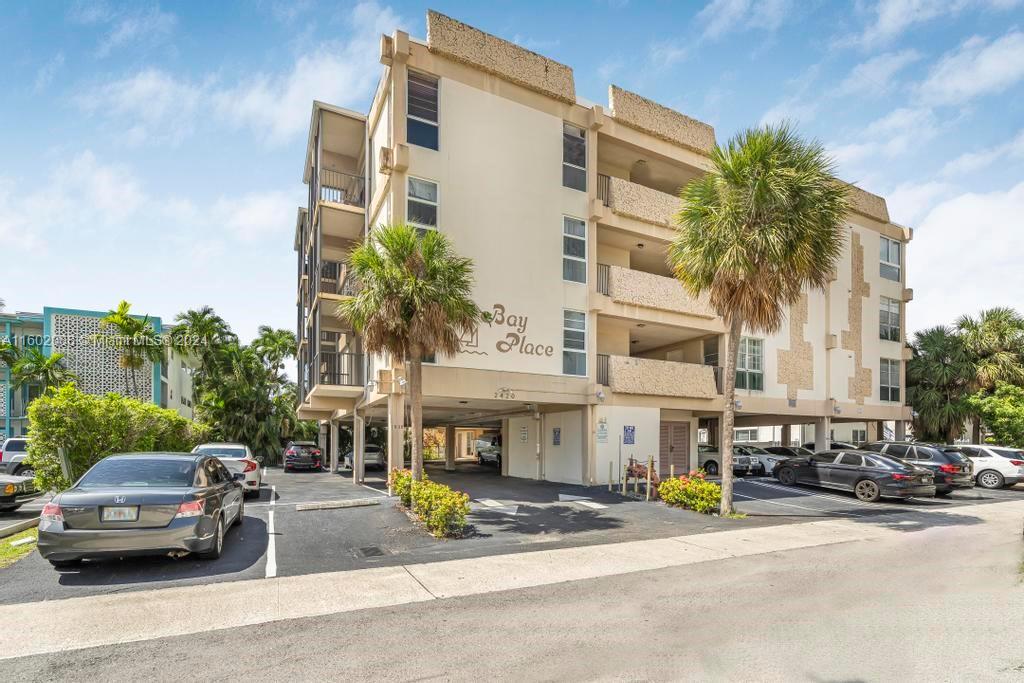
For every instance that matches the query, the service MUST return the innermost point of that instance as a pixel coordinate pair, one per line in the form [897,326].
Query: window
[850,459]
[574,157]
[421,111]
[826,458]
[574,343]
[921,453]
[889,257]
[1009,453]
[876,447]
[972,452]
[750,364]
[889,319]
[889,381]
[745,435]
[859,435]
[422,203]
[897,450]
[574,250]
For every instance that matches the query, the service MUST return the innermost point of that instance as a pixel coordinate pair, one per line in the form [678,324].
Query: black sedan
[869,475]
[302,455]
[142,504]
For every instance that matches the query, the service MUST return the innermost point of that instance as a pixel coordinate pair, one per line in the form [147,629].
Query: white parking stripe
[793,505]
[489,502]
[271,540]
[830,496]
[591,504]
[264,472]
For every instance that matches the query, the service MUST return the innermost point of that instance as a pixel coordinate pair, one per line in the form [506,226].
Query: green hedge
[442,510]
[692,492]
[90,427]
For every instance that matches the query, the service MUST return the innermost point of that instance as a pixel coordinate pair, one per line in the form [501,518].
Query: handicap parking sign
[629,434]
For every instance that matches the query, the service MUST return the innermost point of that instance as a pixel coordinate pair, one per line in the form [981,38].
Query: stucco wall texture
[630,375]
[628,286]
[796,364]
[642,203]
[853,338]
[463,43]
[660,121]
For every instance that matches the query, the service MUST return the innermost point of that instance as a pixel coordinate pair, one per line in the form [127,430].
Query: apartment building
[595,353]
[68,331]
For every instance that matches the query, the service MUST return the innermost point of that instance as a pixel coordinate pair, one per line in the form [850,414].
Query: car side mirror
[238,476]
[260,459]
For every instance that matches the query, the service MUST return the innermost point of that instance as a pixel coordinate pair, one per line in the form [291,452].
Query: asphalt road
[938,602]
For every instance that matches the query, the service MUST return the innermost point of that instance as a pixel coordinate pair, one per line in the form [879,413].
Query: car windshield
[756,450]
[139,472]
[956,456]
[802,451]
[223,451]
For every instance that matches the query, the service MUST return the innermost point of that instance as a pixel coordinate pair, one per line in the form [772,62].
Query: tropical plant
[35,367]
[135,340]
[414,302]
[756,231]
[1003,413]
[8,353]
[995,341]
[939,377]
[200,334]
[275,346]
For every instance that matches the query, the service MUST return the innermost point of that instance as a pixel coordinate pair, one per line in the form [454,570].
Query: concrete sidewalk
[144,615]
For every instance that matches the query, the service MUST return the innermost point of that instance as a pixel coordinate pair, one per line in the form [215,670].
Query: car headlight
[10,489]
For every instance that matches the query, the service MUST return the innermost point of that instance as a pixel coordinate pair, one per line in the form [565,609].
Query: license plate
[126,514]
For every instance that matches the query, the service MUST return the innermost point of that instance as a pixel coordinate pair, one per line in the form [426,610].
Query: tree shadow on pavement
[530,520]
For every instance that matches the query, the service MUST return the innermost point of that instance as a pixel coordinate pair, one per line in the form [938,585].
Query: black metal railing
[331,274]
[602,368]
[718,377]
[604,275]
[339,369]
[342,188]
[604,188]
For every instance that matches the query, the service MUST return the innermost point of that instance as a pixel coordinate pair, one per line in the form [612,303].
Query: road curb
[336,504]
[18,527]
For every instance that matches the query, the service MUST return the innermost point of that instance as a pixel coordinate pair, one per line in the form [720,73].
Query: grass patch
[736,515]
[10,554]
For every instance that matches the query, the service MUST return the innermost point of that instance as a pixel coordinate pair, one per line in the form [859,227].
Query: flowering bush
[442,510]
[692,492]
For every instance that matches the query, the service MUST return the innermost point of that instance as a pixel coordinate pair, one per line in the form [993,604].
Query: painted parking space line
[794,505]
[592,505]
[815,494]
[489,502]
[271,537]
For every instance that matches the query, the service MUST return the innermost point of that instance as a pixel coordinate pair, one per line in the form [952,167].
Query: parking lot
[280,537]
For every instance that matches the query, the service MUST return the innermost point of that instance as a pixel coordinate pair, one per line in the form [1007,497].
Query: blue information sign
[629,435]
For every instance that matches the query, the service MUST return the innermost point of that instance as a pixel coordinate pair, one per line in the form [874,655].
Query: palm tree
[414,302]
[764,224]
[995,341]
[939,377]
[35,367]
[135,340]
[274,346]
[200,334]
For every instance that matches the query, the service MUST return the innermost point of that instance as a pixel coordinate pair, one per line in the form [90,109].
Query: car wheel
[764,471]
[990,479]
[218,543]
[711,467]
[867,491]
[25,472]
[787,476]
[9,508]
[65,564]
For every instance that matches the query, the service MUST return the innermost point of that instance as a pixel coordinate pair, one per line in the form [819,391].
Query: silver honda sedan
[142,504]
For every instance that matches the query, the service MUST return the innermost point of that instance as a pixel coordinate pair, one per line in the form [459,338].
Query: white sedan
[373,456]
[238,459]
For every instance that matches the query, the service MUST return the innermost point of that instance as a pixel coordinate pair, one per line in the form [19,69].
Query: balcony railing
[342,188]
[652,377]
[335,278]
[339,369]
[604,188]
[603,278]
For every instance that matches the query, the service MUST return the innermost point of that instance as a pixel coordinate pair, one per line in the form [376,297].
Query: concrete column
[786,436]
[359,448]
[321,440]
[335,444]
[396,432]
[694,427]
[504,447]
[901,430]
[449,448]
[875,430]
[589,444]
[822,434]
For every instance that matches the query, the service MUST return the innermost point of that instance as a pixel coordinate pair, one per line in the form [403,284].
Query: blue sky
[153,152]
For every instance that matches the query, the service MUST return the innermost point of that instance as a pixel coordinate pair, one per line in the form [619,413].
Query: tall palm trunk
[127,386]
[729,416]
[416,410]
[975,429]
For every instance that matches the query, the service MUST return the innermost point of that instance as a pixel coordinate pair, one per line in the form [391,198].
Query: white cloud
[45,74]
[888,137]
[276,106]
[665,54]
[797,109]
[151,105]
[978,67]
[256,216]
[720,17]
[910,201]
[983,158]
[892,17]
[132,24]
[946,244]
[876,75]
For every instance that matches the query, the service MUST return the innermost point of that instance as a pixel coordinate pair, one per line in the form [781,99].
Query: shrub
[692,492]
[89,428]
[442,510]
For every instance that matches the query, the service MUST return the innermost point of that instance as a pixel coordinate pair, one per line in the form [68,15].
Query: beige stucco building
[595,354]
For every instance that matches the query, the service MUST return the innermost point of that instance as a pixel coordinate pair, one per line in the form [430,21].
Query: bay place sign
[515,338]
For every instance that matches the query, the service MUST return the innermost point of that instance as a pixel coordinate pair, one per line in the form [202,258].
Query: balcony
[639,288]
[335,369]
[649,377]
[637,201]
[342,188]
[342,201]
[336,280]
